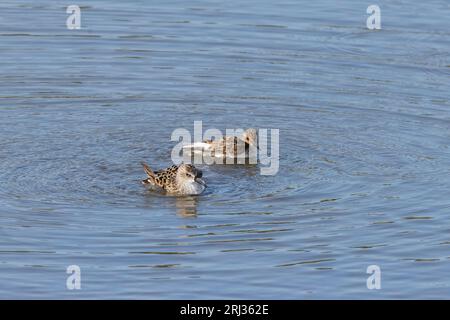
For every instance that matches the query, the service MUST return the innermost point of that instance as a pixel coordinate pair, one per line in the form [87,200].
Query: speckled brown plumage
[182,179]
[228,146]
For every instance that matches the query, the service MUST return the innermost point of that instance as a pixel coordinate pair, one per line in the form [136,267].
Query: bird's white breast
[192,188]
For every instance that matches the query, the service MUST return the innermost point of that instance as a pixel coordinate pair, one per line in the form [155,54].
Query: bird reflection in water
[186,206]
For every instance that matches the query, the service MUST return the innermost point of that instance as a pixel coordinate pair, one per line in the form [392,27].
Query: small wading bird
[184,179]
[228,146]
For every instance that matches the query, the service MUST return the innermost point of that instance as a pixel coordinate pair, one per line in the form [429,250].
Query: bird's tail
[150,174]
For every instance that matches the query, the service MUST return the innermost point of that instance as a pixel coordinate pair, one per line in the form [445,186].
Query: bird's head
[250,136]
[189,173]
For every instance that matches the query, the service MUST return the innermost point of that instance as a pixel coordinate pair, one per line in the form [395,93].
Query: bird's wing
[160,178]
[166,177]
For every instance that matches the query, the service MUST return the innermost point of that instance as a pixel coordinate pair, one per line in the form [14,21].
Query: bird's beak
[200,181]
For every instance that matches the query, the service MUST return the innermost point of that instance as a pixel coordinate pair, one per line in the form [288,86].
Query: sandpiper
[228,146]
[183,179]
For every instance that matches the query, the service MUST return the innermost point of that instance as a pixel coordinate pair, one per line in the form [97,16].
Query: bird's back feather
[164,179]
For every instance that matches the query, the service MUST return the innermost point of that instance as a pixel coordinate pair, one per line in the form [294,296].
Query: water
[364,125]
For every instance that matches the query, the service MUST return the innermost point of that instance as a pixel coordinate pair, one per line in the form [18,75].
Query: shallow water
[364,128]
